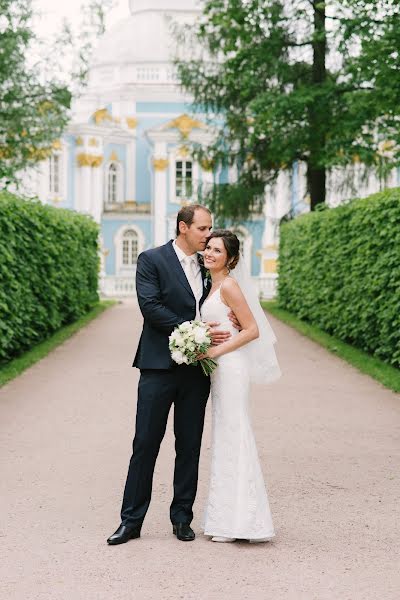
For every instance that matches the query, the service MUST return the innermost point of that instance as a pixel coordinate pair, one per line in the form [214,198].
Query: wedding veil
[264,366]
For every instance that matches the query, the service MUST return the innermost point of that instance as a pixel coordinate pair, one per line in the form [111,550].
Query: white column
[131,170]
[84,192]
[97,193]
[160,164]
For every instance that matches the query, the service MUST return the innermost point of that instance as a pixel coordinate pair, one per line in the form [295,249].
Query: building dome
[136,6]
[145,35]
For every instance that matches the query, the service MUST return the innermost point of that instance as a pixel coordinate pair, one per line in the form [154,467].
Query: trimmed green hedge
[340,270]
[48,271]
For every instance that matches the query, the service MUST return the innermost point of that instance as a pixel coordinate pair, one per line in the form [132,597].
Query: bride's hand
[212,352]
[217,336]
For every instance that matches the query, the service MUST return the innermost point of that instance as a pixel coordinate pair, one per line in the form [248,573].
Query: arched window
[130,248]
[184,180]
[112,184]
[55,174]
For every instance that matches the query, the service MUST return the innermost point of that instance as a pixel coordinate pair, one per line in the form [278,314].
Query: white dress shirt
[191,268]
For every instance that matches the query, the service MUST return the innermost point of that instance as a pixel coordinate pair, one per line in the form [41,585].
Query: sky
[55,10]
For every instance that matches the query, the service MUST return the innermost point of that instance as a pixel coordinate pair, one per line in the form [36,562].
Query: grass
[15,367]
[384,373]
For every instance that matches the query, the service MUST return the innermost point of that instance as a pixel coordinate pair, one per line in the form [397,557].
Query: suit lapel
[205,281]
[176,267]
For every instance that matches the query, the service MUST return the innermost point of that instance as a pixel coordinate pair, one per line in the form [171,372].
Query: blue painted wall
[109,229]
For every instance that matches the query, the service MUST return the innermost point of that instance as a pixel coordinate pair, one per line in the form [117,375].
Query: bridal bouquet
[187,341]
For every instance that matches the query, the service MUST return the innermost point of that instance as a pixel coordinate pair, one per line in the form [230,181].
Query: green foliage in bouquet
[48,271]
[339,269]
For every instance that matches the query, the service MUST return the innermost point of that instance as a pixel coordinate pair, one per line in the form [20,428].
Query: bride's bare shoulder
[230,287]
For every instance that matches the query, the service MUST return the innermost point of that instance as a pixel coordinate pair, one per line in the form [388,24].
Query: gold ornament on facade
[207,164]
[93,142]
[185,124]
[184,151]
[114,156]
[105,251]
[79,141]
[160,164]
[57,145]
[101,115]
[131,122]
[39,153]
[386,147]
[269,265]
[89,160]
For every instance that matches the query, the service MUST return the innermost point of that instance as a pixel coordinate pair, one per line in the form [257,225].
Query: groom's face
[197,233]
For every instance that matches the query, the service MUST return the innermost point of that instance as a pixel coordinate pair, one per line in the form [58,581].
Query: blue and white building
[126,160]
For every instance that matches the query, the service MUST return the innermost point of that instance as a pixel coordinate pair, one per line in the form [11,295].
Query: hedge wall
[340,270]
[48,271]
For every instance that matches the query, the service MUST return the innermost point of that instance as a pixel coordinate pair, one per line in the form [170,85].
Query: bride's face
[215,255]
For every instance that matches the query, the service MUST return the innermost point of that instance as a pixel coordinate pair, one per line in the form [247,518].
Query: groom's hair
[186,214]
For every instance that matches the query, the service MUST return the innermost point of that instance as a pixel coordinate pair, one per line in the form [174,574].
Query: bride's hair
[231,243]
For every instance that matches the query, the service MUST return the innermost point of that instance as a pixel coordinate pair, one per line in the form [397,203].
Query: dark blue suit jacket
[166,300]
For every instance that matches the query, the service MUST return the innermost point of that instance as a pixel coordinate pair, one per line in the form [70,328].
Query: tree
[290,81]
[33,112]
[35,96]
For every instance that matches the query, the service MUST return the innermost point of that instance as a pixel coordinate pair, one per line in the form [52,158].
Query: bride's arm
[232,296]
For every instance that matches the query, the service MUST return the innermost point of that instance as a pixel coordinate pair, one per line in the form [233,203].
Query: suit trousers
[187,388]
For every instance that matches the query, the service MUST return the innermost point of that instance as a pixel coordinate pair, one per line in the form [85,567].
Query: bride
[237,506]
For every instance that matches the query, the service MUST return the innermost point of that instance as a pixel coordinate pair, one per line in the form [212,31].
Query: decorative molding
[131,122]
[89,160]
[114,157]
[160,164]
[93,142]
[185,124]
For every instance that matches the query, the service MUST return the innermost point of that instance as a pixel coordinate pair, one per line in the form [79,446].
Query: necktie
[191,271]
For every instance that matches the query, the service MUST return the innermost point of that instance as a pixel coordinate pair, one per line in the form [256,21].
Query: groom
[171,286]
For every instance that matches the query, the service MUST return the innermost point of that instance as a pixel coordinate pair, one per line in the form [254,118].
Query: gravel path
[329,441]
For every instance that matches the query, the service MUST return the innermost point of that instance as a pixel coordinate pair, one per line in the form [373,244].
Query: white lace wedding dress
[237,505]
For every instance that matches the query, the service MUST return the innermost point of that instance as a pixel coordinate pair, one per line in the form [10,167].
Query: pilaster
[160,164]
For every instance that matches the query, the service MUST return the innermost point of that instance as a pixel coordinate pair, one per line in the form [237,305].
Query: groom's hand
[218,336]
[233,319]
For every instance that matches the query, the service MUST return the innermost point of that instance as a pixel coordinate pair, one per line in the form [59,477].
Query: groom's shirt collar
[180,253]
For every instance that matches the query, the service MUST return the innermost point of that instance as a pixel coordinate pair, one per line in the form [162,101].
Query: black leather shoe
[183,532]
[123,534]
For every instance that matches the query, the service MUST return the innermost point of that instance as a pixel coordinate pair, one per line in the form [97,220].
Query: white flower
[185,326]
[200,335]
[177,338]
[178,357]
